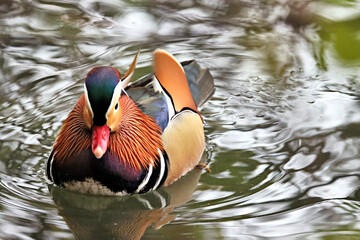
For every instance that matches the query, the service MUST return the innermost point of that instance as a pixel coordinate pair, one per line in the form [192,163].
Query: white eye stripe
[88,101]
[115,98]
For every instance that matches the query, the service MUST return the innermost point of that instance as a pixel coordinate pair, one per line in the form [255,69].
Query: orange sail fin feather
[172,77]
[130,72]
[138,136]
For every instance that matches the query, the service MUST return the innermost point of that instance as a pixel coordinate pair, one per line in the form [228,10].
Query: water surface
[282,130]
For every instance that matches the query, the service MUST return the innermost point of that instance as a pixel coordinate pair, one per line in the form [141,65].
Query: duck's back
[154,104]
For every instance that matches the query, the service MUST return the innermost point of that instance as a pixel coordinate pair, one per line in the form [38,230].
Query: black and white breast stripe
[155,177]
[49,165]
[152,179]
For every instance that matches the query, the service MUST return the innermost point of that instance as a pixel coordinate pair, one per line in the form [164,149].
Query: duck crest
[138,139]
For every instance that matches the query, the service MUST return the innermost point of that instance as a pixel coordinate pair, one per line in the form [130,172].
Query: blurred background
[282,130]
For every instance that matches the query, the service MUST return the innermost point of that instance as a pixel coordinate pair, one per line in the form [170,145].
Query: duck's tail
[200,81]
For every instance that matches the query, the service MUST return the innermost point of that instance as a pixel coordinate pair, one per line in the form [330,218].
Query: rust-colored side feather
[138,137]
[74,135]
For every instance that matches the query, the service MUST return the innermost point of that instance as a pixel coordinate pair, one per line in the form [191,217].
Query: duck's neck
[137,140]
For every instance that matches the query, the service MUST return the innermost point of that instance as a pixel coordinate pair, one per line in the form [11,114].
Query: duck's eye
[116,106]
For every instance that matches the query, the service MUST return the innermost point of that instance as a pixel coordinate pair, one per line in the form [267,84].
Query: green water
[282,130]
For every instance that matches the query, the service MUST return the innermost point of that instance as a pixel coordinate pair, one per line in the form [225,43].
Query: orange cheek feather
[88,117]
[114,117]
[100,140]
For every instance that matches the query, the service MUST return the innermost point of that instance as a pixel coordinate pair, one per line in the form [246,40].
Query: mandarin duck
[127,137]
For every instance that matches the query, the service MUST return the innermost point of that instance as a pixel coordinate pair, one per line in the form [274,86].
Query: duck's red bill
[100,140]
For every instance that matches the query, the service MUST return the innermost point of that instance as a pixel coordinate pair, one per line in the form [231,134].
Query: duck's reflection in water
[122,217]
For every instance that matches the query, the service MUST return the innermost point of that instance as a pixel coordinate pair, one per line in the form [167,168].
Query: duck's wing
[157,105]
[151,103]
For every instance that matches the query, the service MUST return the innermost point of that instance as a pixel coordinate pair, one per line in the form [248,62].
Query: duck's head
[103,88]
